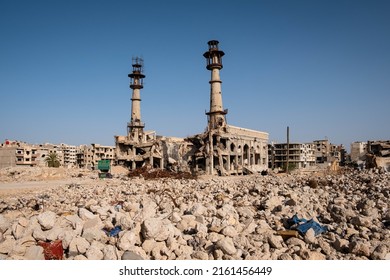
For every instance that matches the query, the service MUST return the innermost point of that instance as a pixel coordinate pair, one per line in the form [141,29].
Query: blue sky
[320,67]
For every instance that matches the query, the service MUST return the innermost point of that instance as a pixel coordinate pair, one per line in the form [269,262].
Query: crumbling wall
[177,154]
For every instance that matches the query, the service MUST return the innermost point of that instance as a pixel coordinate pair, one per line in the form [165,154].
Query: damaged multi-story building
[222,149]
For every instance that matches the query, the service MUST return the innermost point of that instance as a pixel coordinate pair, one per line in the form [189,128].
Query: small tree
[52,160]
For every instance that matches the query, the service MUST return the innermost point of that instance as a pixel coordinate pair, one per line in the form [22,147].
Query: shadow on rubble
[152,174]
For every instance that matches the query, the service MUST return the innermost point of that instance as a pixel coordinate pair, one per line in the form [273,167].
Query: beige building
[100,152]
[84,157]
[88,156]
[326,152]
[69,155]
[299,155]
[16,153]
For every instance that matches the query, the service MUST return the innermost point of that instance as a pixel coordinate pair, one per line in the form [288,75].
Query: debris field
[254,217]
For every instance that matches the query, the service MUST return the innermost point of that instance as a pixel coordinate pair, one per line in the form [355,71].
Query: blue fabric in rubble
[114,232]
[304,225]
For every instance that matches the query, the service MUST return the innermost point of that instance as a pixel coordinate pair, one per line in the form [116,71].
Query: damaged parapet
[224,149]
[138,148]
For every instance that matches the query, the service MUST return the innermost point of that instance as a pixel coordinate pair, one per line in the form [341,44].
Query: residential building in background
[17,153]
[299,155]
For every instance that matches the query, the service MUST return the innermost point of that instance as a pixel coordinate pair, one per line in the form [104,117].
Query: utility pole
[288,150]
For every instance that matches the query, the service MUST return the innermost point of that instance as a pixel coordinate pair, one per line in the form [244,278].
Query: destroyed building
[222,149]
[378,154]
[225,149]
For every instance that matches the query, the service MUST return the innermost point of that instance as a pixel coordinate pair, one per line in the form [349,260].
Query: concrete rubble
[231,218]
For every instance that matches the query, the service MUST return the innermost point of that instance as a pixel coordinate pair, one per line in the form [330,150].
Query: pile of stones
[228,218]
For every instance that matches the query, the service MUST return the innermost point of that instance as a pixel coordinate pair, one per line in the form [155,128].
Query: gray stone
[340,244]
[94,253]
[4,223]
[361,221]
[84,214]
[275,241]
[127,240]
[17,230]
[229,231]
[76,222]
[66,237]
[34,253]
[199,255]
[78,245]
[125,222]
[149,245]
[285,257]
[91,234]
[198,209]
[47,220]
[380,252]
[317,256]
[39,234]
[53,234]
[227,246]
[110,253]
[128,255]
[290,202]
[359,248]
[176,217]
[154,228]
[294,241]
[6,246]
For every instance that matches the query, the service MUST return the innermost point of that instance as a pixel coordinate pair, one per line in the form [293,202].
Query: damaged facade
[371,154]
[222,149]
[378,154]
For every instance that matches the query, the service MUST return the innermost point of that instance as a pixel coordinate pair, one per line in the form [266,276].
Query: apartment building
[326,152]
[69,155]
[99,152]
[299,155]
[16,153]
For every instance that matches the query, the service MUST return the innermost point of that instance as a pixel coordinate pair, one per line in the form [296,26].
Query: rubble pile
[246,217]
[156,173]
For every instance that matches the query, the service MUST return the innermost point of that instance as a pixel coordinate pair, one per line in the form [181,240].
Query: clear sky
[320,67]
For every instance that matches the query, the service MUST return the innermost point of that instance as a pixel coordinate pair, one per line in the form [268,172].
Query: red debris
[52,250]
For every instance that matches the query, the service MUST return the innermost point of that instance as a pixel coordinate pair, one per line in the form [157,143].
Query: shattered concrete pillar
[228,163]
[151,160]
[210,155]
[236,164]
